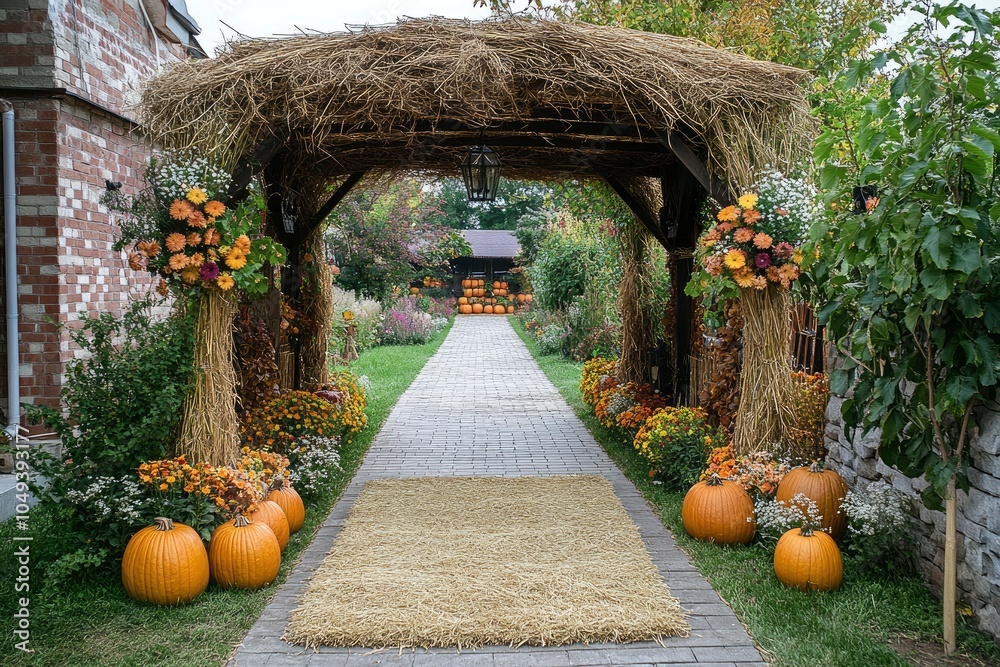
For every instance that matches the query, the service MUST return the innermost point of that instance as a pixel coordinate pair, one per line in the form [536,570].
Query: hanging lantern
[481,172]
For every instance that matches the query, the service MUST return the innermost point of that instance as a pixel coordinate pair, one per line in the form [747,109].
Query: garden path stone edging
[482,406]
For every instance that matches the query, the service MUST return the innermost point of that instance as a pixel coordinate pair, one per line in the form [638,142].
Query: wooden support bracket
[641,213]
[252,164]
[716,188]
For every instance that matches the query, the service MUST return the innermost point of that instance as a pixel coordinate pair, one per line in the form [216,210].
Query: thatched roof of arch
[551,97]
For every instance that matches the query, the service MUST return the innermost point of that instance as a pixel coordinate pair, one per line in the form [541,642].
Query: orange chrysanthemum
[176,242]
[179,261]
[751,217]
[242,243]
[215,208]
[193,239]
[135,261]
[743,235]
[190,275]
[197,219]
[225,282]
[763,241]
[743,277]
[735,259]
[163,289]
[180,209]
[197,259]
[211,237]
[759,282]
[149,248]
[197,196]
[729,214]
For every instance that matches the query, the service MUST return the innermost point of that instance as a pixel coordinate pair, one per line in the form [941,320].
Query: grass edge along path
[95,624]
[851,627]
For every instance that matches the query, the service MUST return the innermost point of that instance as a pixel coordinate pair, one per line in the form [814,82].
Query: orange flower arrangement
[270,468]
[598,377]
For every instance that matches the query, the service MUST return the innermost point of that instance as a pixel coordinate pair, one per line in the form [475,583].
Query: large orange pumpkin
[477,308]
[291,504]
[808,560]
[720,511]
[520,298]
[528,298]
[503,284]
[271,513]
[510,310]
[462,300]
[480,282]
[244,554]
[822,486]
[165,564]
[465,309]
[466,283]
[488,309]
[496,284]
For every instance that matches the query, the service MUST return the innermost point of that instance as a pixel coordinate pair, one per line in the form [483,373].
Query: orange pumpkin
[165,564]
[503,284]
[528,298]
[244,554]
[465,310]
[520,298]
[414,290]
[488,309]
[271,513]
[477,308]
[462,300]
[501,292]
[291,504]
[496,284]
[822,486]
[718,510]
[510,310]
[808,560]
[467,293]
[466,282]
[481,282]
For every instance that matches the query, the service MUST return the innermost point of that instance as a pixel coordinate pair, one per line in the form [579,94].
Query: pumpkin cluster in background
[480,298]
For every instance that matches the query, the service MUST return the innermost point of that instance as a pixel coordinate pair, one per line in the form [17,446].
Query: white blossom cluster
[878,508]
[550,340]
[775,518]
[796,195]
[439,323]
[317,466]
[174,176]
[617,404]
[110,499]
[364,382]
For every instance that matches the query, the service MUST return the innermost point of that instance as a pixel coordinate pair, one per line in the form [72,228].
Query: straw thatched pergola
[666,121]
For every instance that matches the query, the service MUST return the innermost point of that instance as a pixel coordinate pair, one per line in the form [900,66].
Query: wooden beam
[634,205]
[584,143]
[252,164]
[717,189]
[303,231]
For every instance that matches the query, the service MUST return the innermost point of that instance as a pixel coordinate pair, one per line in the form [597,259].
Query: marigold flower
[193,239]
[735,259]
[797,256]
[762,241]
[729,214]
[180,209]
[749,200]
[163,487]
[211,237]
[236,260]
[743,235]
[307,257]
[744,277]
[215,208]
[176,242]
[225,282]
[179,261]
[197,196]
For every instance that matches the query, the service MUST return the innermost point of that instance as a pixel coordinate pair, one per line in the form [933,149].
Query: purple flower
[209,271]
[762,260]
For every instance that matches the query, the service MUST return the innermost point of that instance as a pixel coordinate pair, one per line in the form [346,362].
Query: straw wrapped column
[637,326]
[316,298]
[210,427]
[765,412]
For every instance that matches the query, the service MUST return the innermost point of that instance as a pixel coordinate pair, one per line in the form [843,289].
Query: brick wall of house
[67,144]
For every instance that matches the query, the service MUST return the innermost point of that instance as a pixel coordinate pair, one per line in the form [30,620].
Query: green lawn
[95,623]
[847,628]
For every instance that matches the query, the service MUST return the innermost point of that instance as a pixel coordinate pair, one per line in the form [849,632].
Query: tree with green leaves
[909,275]
[515,199]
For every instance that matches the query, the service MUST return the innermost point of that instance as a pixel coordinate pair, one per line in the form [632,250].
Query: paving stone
[440,427]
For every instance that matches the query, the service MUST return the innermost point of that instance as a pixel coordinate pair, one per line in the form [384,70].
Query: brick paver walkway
[482,406]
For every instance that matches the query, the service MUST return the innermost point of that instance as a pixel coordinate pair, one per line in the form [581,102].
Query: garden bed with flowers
[880,601]
[81,613]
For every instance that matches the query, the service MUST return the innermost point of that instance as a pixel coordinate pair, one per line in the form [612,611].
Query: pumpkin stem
[816,466]
[277,483]
[163,523]
[241,521]
[714,480]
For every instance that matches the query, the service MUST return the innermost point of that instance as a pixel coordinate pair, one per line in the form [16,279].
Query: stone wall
[71,69]
[978,519]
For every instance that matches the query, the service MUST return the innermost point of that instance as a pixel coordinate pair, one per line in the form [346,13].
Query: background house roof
[492,242]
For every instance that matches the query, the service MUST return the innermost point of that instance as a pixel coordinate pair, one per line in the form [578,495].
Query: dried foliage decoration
[258,376]
[721,398]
